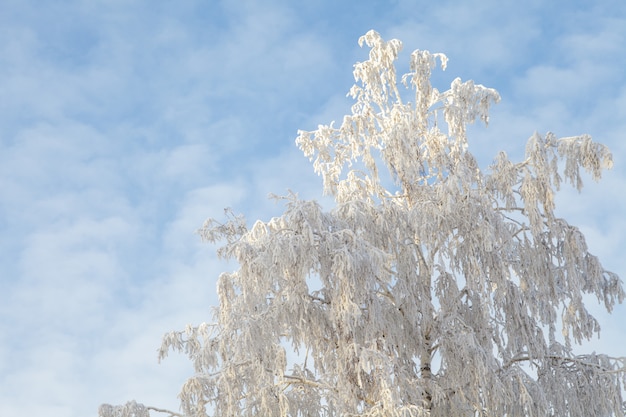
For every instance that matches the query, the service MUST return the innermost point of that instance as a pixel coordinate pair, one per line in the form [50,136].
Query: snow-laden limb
[454,291]
[132,409]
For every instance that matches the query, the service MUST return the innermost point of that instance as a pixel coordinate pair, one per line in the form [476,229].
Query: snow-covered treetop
[453,291]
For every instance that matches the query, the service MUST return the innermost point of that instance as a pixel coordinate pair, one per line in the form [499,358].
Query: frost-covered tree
[441,289]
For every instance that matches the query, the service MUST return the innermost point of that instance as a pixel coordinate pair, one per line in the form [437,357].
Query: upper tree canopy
[452,291]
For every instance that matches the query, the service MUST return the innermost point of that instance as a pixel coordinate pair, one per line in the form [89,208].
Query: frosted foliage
[453,291]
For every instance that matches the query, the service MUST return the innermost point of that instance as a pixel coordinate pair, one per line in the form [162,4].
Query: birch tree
[433,287]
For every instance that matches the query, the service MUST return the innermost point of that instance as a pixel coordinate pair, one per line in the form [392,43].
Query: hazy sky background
[125,124]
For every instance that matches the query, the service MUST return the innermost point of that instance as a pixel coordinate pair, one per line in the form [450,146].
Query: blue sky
[125,124]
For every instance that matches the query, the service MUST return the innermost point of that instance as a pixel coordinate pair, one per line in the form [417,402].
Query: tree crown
[454,291]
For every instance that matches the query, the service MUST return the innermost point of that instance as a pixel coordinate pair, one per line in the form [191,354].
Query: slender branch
[316,298]
[576,360]
[384,291]
[303,381]
[161,410]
